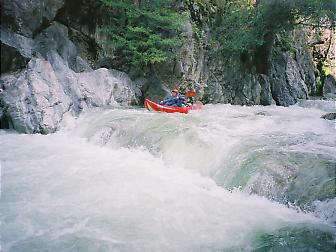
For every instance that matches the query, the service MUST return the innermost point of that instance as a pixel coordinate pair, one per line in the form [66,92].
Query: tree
[141,32]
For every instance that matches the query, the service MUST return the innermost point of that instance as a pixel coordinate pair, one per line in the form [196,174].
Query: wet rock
[329,116]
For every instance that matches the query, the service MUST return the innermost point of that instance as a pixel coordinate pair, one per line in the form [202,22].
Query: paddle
[191,94]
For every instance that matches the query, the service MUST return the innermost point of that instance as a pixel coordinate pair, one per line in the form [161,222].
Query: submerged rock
[329,116]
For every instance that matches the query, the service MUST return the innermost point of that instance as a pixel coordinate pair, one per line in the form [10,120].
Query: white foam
[130,180]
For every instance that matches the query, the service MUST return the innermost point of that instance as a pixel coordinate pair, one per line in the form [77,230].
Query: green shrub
[141,32]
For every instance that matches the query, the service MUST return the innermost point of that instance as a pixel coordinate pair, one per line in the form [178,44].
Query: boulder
[37,98]
[329,116]
[106,87]
[34,99]
[329,87]
[55,38]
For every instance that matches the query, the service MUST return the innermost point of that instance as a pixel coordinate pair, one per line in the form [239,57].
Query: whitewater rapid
[227,178]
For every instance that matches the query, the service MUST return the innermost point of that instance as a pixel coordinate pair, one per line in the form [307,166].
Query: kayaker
[175,100]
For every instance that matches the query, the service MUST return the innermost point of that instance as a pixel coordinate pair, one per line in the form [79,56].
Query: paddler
[175,100]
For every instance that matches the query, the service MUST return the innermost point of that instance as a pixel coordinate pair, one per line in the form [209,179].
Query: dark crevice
[11,59]
[5,122]
[80,16]
[261,58]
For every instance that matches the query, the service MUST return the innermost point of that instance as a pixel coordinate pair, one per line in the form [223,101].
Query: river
[226,178]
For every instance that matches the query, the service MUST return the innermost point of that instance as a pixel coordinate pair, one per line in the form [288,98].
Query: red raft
[153,106]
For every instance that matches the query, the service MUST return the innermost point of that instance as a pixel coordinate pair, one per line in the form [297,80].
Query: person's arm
[168,100]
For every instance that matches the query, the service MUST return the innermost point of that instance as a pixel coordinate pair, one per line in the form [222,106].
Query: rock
[36,99]
[105,62]
[29,17]
[106,87]
[265,93]
[16,51]
[263,113]
[33,99]
[22,44]
[154,89]
[11,59]
[329,116]
[291,72]
[83,18]
[286,80]
[55,38]
[139,83]
[81,65]
[329,85]
[42,76]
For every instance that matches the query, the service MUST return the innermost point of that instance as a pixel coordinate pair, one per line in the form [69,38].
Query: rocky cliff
[43,77]
[54,64]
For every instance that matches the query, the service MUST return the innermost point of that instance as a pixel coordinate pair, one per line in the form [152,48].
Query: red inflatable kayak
[153,106]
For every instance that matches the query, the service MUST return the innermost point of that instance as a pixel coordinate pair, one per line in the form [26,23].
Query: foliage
[324,68]
[144,32]
[141,32]
[286,42]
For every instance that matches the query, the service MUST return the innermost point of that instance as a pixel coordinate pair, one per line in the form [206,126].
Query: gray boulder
[55,38]
[37,98]
[34,99]
[329,116]
[329,87]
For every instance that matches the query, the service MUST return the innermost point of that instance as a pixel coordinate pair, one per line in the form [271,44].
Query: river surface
[226,178]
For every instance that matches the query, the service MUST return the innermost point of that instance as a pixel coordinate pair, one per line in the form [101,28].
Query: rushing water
[227,178]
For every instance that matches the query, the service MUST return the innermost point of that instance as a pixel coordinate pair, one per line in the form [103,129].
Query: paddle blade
[191,94]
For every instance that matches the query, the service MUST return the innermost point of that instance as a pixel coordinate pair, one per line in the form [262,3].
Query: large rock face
[37,98]
[43,78]
[291,72]
[281,77]
[274,75]
[28,18]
